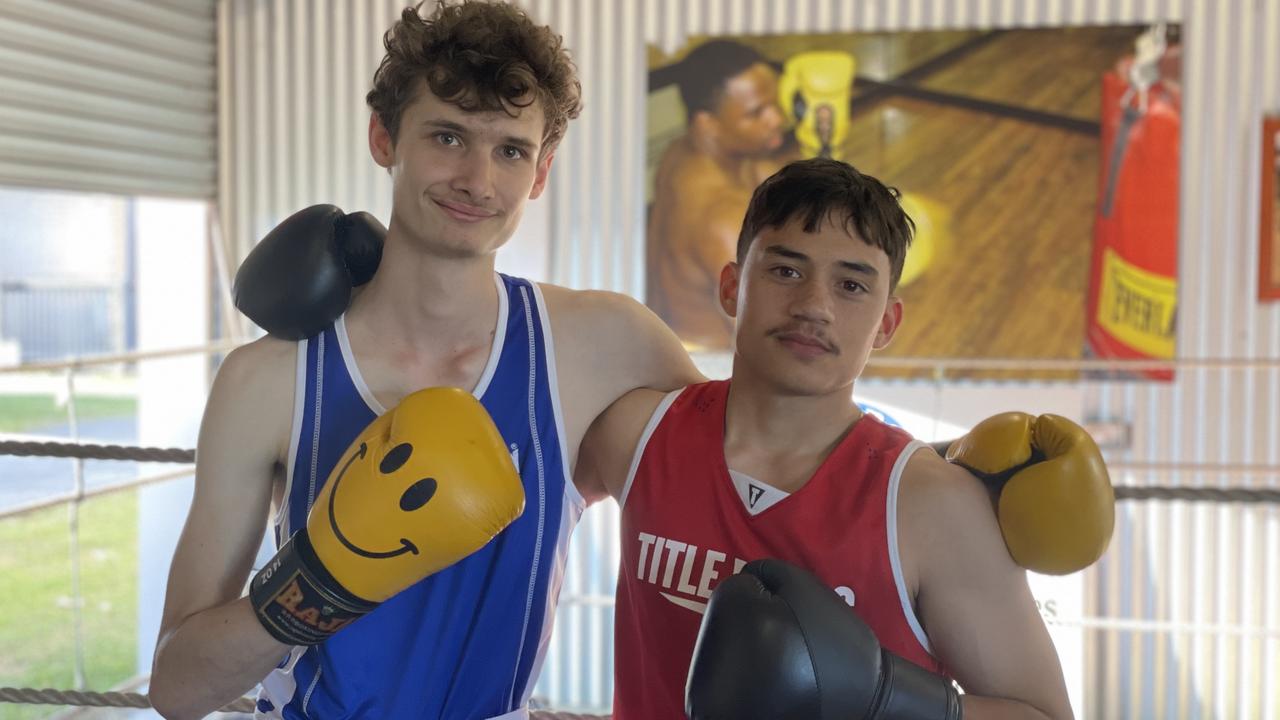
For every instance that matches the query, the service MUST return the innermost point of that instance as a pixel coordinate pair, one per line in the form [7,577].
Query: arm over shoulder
[628,345]
[608,344]
[604,463]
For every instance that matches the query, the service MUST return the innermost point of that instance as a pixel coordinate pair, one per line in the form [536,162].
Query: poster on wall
[1269,228]
[1043,193]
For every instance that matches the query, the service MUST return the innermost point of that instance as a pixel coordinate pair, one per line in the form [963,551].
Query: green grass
[23,413]
[37,641]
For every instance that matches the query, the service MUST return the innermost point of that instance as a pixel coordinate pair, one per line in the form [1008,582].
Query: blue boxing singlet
[466,643]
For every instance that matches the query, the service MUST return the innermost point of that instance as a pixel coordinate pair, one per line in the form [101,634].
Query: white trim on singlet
[572,505]
[317,423]
[891,523]
[531,393]
[658,413]
[499,339]
[281,519]
[486,376]
[279,687]
[553,387]
[311,688]
[569,517]
[353,370]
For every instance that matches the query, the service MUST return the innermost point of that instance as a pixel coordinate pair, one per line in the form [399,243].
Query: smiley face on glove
[426,484]
[416,495]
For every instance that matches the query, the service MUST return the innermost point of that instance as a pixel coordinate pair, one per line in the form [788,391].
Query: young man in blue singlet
[468,106]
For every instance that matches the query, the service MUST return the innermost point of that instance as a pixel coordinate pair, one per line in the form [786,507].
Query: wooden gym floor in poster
[1040,167]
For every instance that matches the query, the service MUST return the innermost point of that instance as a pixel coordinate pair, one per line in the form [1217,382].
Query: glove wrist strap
[916,693]
[298,601]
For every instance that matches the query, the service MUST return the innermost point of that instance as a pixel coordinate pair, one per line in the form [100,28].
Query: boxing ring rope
[85,698]
[89,451]
[86,451]
[32,696]
[940,366]
[79,453]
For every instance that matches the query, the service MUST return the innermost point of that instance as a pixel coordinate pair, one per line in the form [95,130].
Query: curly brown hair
[479,56]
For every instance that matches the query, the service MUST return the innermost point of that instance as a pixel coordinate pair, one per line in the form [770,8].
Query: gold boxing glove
[815,90]
[426,484]
[1056,505]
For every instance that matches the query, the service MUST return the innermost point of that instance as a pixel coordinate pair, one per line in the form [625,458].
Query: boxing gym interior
[1094,190]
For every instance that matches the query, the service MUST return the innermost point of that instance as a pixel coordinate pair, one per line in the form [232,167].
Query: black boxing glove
[777,643]
[298,280]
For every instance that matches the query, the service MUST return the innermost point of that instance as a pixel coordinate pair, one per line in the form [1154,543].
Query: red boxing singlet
[684,528]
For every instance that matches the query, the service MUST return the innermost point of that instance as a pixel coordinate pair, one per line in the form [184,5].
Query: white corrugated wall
[292,82]
[114,96]
[1205,576]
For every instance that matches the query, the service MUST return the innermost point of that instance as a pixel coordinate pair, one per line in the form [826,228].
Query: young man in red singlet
[779,462]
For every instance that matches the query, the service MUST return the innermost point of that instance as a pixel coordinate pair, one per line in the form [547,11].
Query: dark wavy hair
[814,190]
[479,56]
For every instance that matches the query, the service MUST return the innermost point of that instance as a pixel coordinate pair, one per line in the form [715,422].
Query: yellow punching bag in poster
[815,89]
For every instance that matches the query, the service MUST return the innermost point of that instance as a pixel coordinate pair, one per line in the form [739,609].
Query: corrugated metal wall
[1203,580]
[291,78]
[114,96]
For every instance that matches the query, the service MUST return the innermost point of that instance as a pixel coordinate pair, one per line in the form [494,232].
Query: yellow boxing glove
[1056,504]
[814,90]
[426,484]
